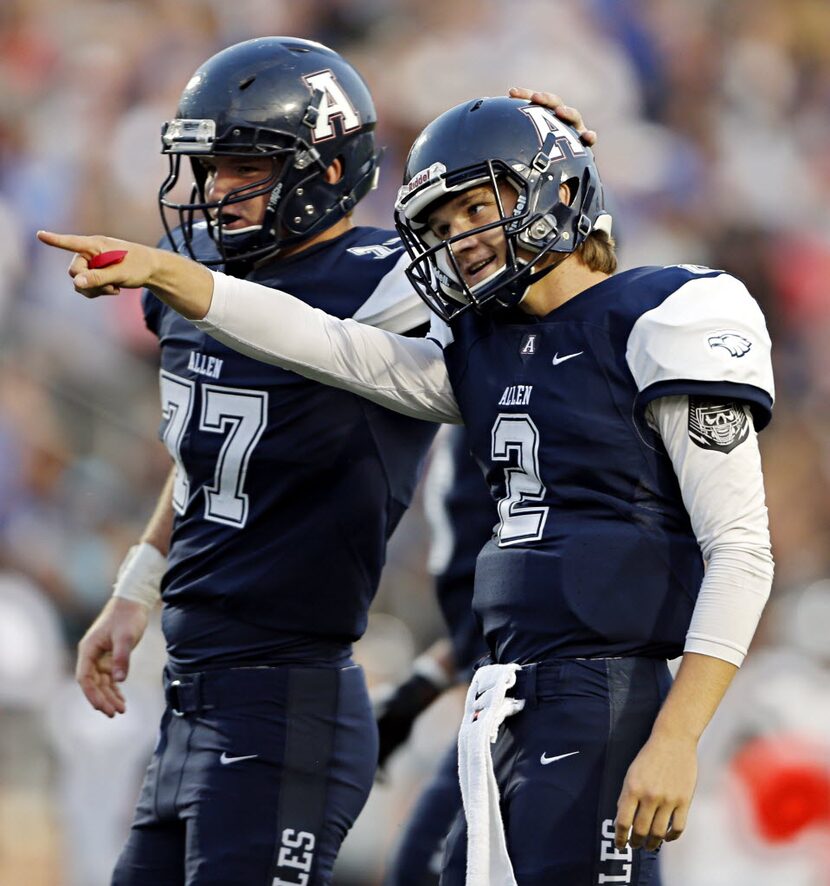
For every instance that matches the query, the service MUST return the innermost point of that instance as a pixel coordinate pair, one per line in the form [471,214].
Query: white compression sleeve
[724,496]
[405,374]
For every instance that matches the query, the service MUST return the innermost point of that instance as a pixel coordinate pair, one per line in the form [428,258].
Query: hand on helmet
[552,101]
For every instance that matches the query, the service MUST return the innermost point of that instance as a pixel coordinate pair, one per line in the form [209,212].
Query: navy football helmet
[294,101]
[488,141]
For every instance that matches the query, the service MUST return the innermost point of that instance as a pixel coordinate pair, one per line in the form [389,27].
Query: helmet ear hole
[335,171]
[572,184]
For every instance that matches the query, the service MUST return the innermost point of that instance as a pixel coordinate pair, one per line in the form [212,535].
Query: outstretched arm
[407,375]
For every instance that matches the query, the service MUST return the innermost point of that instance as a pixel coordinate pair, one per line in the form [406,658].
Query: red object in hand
[105,259]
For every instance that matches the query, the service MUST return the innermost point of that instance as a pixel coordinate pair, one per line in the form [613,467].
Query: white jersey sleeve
[708,337]
[407,375]
[723,492]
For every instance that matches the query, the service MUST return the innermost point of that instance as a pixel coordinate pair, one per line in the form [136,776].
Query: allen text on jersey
[202,364]
[516,395]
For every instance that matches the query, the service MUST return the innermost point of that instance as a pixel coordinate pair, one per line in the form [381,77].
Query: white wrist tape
[139,576]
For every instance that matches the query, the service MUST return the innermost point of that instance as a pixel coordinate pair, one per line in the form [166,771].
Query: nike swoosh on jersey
[544,760]
[225,759]
[557,359]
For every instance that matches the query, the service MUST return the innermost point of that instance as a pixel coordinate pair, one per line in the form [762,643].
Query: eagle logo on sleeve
[717,425]
[736,345]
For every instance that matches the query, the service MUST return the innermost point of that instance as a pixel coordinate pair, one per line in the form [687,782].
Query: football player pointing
[618,436]
[267,748]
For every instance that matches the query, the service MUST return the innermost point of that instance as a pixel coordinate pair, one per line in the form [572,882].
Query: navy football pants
[257,776]
[560,765]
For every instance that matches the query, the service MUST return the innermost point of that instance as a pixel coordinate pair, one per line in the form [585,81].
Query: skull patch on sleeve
[717,425]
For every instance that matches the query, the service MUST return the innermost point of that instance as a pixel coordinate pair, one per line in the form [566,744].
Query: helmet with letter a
[497,142]
[295,102]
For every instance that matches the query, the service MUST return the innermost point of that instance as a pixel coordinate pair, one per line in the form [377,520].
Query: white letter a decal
[335,103]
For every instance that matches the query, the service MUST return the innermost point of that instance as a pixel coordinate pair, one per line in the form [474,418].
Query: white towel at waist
[486,708]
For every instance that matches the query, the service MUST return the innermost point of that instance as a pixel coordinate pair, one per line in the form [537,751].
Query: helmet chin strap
[535,277]
[238,232]
[558,258]
[234,242]
[516,291]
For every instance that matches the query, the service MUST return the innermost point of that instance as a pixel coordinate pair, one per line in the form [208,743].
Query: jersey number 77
[240,415]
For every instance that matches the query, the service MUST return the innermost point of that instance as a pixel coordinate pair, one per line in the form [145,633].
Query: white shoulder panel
[440,331]
[394,305]
[710,329]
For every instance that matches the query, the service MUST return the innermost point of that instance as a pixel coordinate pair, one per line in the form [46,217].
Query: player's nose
[465,229]
[219,185]
[215,190]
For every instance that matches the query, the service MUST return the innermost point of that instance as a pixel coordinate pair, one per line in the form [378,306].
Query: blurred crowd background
[714,125]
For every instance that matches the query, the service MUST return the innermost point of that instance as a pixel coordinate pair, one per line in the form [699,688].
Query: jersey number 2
[238,413]
[516,438]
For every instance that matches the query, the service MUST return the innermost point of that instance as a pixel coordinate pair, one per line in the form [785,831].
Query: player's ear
[565,194]
[334,172]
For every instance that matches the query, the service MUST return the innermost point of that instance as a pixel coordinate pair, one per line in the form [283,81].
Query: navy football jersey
[594,554]
[461,516]
[286,490]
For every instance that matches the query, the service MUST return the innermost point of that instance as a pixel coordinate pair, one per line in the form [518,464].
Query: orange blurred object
[787,781]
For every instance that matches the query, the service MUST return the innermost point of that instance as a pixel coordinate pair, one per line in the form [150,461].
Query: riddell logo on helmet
[422,177]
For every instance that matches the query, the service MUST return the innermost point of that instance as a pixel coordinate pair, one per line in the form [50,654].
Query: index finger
[69,242]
